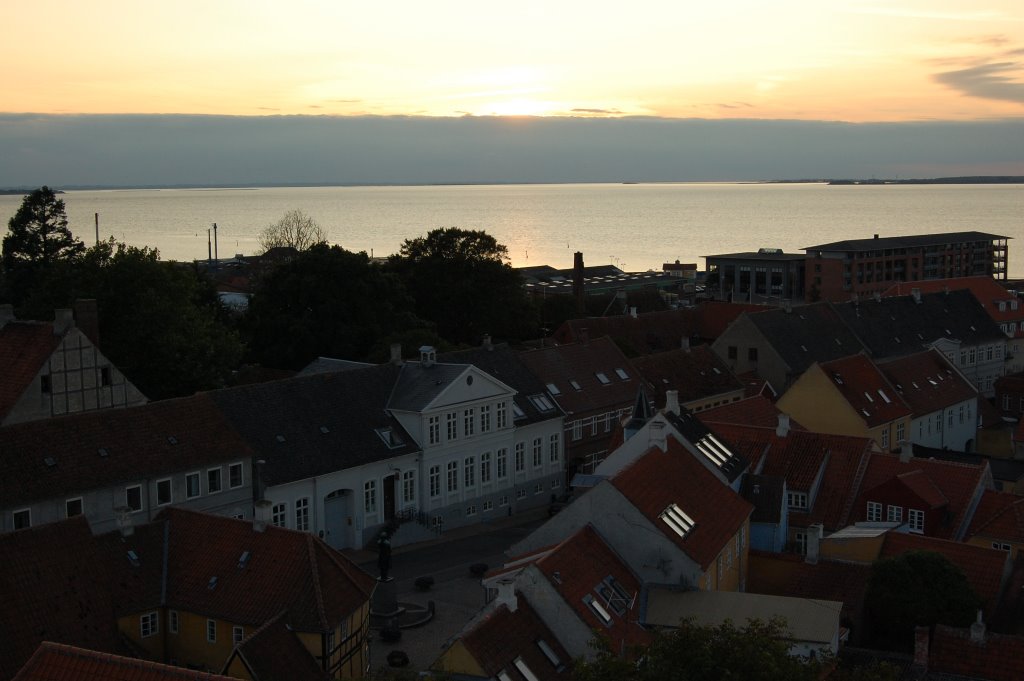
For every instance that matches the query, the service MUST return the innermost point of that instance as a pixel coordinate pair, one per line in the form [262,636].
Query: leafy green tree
[917,588]
[161,322]
[757,651]
[329,302]
[38,233]
[462,282]
[295,230]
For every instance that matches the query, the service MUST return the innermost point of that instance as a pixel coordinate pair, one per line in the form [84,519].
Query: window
[899,432]
[961,410]
[503,500]
[73,507]
[598,609]
[45,384]
[172,621]
[485,418]
[488,506]
[133,497]
[163,492]
[453,476]
[874,512]
[1001,546]
[538,452]
[950,418]
[553,389]
[621,373]
[520,457]
[237,634]
[469,471]
[677,519]
[434,429]
[302,514]
[592,421]
[435,481]
[800,542]
[577,429]
[520,494]
[192,485]
[235,479]
[211,631]
[796,499]
[278,514]
[556,483]
[553,455]
[538,488]
[470,510]
[370,496]
[408,487]
[916,519]
[894,514]
[732,352]
[575,384]
[502,415]
[602,378]
[452,422]
[885,438]
[485,467]
[501,463]
[213,480]
[752,354]
[149,624]
[469,419]
[22,519]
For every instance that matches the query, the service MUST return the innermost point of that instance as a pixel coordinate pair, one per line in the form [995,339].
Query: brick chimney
[577,281]
[656,434]
[87,318]
[672,401]
[63,320]
[782,428]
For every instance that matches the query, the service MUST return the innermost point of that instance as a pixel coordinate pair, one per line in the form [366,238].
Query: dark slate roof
[57,456]
[695,373]
[419,384]
[911,241]
[310,425]
[506,365]
[767,494]
[52,588]
[694,430]
[323,365]
[806,334]
[900,325]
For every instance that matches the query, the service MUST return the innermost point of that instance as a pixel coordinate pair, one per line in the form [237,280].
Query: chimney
[782,428]
[488,345]
[632,311]
[6,314]
[87,319]
[876,236]
[916,292]
[428,355]
[921,648]
[672,401]
[507,594]
[577,281]
[657,435]
[813,543]
[584,336]
[906,451]
[261,518]
[63,320]
[684,343]
[978,630]
[124,521]
[396,353]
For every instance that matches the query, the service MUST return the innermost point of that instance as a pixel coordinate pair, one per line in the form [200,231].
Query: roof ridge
[315,576]
[858,480]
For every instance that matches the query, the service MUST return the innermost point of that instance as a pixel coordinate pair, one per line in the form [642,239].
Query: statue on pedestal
[384,555]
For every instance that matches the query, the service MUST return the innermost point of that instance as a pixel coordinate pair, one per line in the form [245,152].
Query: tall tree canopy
[38,233]
[329,302]
[295,230]
[917,588]
[461,281]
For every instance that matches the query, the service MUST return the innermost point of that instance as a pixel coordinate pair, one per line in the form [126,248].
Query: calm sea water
[636,227]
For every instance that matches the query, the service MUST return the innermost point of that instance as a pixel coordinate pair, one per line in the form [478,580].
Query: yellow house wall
[130,626]
[238,670]
[190,647]
[986,542]
[359,645]
[858,549]
[733,575]
[457,660]
[816,404]
[714,400]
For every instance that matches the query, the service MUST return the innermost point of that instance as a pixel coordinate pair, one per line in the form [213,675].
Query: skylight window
[575,384]
[601,377]
[324,430]
[884,396]
[503,676]
[392,439]
[553,389]
[527,673]
[517,412]
[677,519]
[133,558]
[212,584]
[172,440]
[541,403]
[868,396]
[50,462]
[598,609]
[621,373]
[549,653]
[102,451]
[243,559]
[710,447]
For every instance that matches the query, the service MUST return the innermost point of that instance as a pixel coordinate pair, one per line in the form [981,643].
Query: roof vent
[212,584]
[279,438]
[243,560]
[102,451]
[324,430]
[50,462]
[172,440]
[133,558]
[428,356]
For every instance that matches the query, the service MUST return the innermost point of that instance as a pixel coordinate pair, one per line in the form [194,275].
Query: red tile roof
[53,587]
[752,411]
[1000,515]
[986,290]
[864,387]
[798,457]
[273,652]
[53,661]
[502,636]
[696,373]
[957,482]
[659,479]
[983,567]
[577,568]
[150,440]
[285,570]
[997,658]
[927,381]
[25,348]
[581,362]
[715,316]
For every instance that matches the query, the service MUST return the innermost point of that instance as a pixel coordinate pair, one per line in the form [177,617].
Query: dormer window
[796,500]
[390,437]
[677,519]
[553,389]
[541,403]
[602,378]
[621,373]
[517,412]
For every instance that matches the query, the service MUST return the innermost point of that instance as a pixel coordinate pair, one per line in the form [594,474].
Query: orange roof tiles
[25,348]
[1000,515]
[273,652]
[957,482]
[752,411]
[921,485]
[659,479]
[502,636]
[864,387]
[983,567]
[997,657]
[927,382]
[577,568]
[54,661]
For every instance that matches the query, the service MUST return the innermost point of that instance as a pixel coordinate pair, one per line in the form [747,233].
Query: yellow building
[849,396]
[241,598]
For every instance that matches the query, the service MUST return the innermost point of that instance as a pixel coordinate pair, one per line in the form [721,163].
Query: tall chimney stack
[577,281]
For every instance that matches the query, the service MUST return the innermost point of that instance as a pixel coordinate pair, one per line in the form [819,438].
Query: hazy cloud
[614,112]
[735,105]
[990,81]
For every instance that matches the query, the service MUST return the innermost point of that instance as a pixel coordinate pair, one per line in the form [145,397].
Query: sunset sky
[852,60]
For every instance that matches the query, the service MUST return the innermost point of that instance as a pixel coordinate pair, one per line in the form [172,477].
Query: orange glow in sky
[850,60]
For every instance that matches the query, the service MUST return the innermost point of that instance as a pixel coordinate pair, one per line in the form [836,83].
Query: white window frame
[874,512]
[520,457]
[370,497]
[797,500]
[485,468]
[142,504]
[241,475]
[452,425]
[469,421]
[485,418]
[469,472]
[149,624]
[219,471]
[302,514]
[170,492]
[452,479]
[553,442]
[501,463]
[894,514]
[538,452]
[279,514]
[915,518]
[197,476]
[434,429]
[434,480]
[237,634]
[172,621]
[409,487]
[81,506]
[501,414]
[211,631]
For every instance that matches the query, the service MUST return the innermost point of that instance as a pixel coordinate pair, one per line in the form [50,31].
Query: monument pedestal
[384,605]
